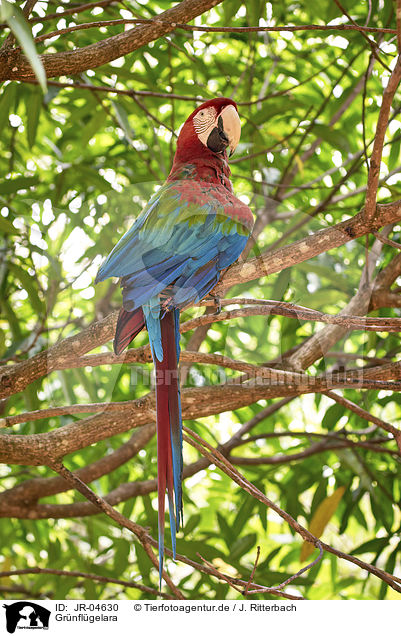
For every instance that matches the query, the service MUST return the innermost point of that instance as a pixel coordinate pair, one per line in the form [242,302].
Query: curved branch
[15,378]
[310,246]
[21,501]
[33,489]
[15,66]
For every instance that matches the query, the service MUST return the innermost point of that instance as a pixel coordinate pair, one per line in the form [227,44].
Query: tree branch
[15,66]
[85,575]
[382,122]
[208,451]
[310,246]
[15,378]
[122,521]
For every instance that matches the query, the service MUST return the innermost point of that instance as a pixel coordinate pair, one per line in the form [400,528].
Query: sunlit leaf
[321,518]
[20,28]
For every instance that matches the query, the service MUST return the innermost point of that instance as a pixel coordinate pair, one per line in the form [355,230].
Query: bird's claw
[217,302]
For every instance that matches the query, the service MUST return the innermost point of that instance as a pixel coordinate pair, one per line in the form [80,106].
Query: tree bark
[15,66]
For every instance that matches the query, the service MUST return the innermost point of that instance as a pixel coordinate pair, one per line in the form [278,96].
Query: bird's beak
[231,126]
[225,134]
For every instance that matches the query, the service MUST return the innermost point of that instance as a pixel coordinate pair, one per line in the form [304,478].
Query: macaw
[191,230]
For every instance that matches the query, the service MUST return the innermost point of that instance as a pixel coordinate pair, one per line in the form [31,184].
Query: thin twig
[207,450]
[85,575]
[386,240]
[237,584]
[389,428]
[255,565]
[294,576]
[371,43]
[105,507]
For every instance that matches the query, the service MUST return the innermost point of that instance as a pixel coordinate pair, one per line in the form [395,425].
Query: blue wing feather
[172,256]
[153,255]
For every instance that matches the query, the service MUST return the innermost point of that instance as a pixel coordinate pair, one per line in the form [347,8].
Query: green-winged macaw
[172,256]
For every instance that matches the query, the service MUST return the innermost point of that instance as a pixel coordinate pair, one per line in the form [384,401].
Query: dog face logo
[26,615]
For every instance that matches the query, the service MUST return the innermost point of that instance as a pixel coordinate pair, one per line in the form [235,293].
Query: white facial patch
[204,122]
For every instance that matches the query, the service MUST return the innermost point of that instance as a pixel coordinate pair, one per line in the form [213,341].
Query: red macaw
[172,256]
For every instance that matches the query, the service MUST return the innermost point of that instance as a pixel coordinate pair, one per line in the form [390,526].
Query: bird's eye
[203,119]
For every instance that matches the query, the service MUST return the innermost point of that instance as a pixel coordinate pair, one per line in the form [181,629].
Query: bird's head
[213,128]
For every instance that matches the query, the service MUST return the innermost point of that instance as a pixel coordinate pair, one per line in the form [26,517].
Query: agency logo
[26,615]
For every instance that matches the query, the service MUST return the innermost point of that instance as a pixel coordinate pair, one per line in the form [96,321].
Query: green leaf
[225,529]
[270,557]
[192,523]
[193,548]
[353,498]
[32,113]
[7,101]
[6,227]
[332,415]
[27,283]
[340,282]
[128,508]
[19,183]
[394,156]
[244,514]
[271,109]
[335,138]
[373,545]
[242,546]
[2,342]
[230,9]
[262,514]
[93,126]
[143,563]
[281,284]
[122,550]
[20,28]
[122,119]
[6,10]
[319,496]
[389,567]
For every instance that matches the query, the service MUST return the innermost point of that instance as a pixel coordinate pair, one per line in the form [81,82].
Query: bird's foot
[217,302]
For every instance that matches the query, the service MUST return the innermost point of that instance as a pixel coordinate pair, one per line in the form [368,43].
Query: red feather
[190,147]
[129,324]
[168,432]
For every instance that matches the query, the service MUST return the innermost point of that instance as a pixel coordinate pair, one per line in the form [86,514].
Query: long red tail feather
[129,324]
[169,431]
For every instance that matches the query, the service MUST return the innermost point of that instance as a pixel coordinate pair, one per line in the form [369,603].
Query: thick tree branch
[33,489]
[15,66]
[310,246]
[45,448]
[15,378]
[375,160]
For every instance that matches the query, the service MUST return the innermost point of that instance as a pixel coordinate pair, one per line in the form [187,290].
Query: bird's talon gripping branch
[217,303]
[191,230]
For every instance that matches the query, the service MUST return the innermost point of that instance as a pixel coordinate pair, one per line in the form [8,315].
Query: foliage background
[78,165]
